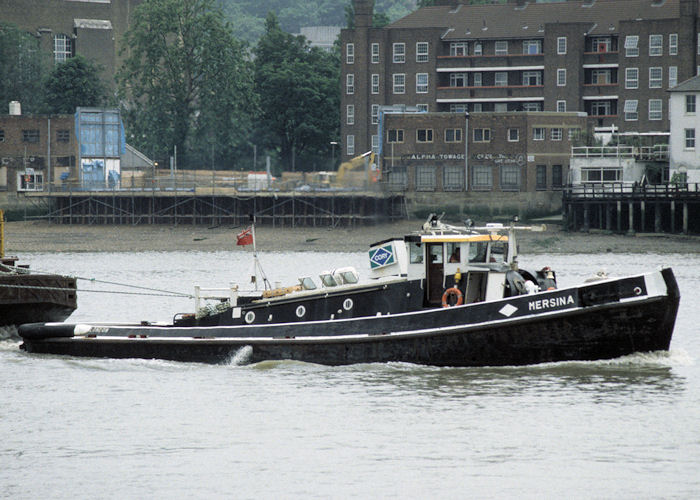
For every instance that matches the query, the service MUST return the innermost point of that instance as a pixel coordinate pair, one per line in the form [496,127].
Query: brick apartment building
[519,157]
[66,28]
[610,59]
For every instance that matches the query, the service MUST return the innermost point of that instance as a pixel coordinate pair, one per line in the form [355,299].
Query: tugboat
[445,295]
[27,297]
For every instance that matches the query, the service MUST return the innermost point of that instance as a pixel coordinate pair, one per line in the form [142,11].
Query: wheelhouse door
[434,274]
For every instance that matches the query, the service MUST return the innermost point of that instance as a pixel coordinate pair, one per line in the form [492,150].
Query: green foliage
[186,82]
[22,68]
[249,24]
[297,87]
[74,83]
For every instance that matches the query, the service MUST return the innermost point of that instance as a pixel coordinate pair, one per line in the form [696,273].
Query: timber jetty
[219,206]
[625,208]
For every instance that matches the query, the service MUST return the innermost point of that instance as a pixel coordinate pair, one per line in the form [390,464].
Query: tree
[74,83]
[22,66]
[185,82]
[297,88]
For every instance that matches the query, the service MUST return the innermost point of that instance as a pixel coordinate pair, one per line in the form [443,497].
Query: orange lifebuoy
[450,292]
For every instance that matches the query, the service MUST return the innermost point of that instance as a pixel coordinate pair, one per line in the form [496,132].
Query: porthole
[347,304]
[249,317]
[301,310]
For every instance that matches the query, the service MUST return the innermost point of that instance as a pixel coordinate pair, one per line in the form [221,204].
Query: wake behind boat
[444,295]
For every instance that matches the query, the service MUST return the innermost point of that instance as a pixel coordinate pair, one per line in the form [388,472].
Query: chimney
[364,11]
[15,108]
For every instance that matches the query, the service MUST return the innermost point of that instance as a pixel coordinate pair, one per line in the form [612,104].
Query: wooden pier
[624,208]
[215,207]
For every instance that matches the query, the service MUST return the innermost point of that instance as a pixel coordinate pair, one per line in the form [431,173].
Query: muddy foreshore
[22,237]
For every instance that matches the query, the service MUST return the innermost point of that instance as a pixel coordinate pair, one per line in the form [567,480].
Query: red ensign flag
[245,237]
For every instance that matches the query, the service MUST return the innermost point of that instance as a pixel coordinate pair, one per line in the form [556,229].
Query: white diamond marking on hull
[507,310]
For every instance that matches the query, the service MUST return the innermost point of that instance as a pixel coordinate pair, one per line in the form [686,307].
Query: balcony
[511,91]
[600,58]
[447,63]
[599,89]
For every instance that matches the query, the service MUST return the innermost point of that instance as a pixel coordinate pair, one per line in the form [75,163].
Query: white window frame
[375,144]
[399,83]
[690,102]
[455,77]
[529,44]
[672,76]
[561,45]
[561,77]
[658,114]
[375,53]
[350,114]
[484,133]
[538,133]
[501,48]
[375,114]
[398,53]
[349,53]
[422,56]
[350,84]
[350,145]
[457,47]
[673,44]
[398,132]
[656,77]
[479,49]
[561,106]
[631,110]
[456,135]
[513,135]
[421,87]
[428,135]
[477,80]
[62,48]
[375,83]
[500,75]
[656,45]
[556,134]
[631,78]
[632,46]
[527,75]
[689,138]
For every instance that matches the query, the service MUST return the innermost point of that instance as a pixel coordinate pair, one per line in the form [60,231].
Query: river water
[95,428]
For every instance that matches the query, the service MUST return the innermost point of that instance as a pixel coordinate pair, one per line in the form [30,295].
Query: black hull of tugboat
[597,321]
[30,298]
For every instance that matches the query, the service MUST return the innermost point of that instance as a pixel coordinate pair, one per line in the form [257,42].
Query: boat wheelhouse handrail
[201,293]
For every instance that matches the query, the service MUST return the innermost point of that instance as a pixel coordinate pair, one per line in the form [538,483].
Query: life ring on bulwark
[454,291]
